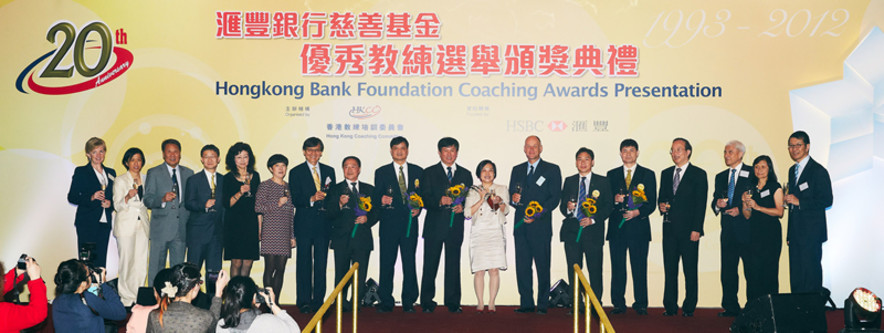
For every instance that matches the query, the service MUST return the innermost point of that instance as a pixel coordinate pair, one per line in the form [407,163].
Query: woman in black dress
[763,207]
[240,219]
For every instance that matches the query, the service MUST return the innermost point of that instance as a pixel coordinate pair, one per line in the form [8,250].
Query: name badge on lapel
[744,174]
[803,186]
[540,181]
[765,193]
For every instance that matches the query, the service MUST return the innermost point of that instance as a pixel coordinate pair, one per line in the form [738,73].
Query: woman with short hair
[274,203]
[132,227]
[91,191]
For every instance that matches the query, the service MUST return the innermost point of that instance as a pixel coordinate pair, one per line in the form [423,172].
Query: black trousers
[638,261]
[432,255]
[679,248]
[391,247]
[766,252]
[344,258]
[805,266]
[732,251]
[575,254]
[98,233]
[532,250]
[312,261]
[208,250]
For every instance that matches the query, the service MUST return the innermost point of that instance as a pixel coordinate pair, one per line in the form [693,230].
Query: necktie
[581,196]
[175,184]
[402,188]
[354,189]
[730,187]
[213,186]
[675,180]
[449,174]
[796,172]
[628,177]
[316,178]
[530,171]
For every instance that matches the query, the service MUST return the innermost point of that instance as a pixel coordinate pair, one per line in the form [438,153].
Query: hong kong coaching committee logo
[96,73]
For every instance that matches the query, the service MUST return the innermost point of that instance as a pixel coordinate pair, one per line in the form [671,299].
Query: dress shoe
[642,312]
[541,311]
[687,314]
[727,313]
[669,313]
[618,310]
[408,309]
[384,309]
[524,310]
[306,309]
[429,309]
[455,309]
[492,311]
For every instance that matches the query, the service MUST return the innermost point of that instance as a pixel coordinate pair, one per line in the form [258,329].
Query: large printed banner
[489,73]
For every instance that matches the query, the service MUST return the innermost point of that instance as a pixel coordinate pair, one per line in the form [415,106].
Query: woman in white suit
[486,206]
[131,226]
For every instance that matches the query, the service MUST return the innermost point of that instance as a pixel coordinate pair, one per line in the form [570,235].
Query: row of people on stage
[203,213]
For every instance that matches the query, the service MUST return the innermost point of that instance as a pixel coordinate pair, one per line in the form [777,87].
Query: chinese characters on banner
[384,59]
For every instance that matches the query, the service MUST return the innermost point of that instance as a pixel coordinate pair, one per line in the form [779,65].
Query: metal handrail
[316,321]
[588,298]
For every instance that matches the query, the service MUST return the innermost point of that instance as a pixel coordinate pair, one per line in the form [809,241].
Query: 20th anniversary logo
[76,43]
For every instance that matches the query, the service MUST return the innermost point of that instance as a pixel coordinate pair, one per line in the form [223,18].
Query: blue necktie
[581,197]
[796,173]
[449,174]
[730,187]
[530,171]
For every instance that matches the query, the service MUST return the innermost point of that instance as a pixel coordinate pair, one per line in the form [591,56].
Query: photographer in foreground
[83,300]
[16,317]
[240,312]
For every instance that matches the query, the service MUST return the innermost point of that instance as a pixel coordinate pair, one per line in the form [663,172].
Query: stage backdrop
[490,73]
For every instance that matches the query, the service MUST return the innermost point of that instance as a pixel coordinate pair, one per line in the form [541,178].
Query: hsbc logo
[557,126]
[537,126]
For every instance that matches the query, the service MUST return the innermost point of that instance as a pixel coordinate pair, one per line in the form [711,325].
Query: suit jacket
[132,215]
[199,191]
[639,226]
[84,184]
[545,187]
[170,221]
[593,234]
[434,183]
[344,220]
[737,225]
[394,222]
[807,222]
[309,220]
[687,205]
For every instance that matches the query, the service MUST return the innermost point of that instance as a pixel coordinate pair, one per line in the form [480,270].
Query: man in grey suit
[163,194]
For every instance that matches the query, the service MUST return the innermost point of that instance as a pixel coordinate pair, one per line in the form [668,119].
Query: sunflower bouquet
[588,209]
[363,206]
[457,195]
[533,211]
[635,200]
[414,202]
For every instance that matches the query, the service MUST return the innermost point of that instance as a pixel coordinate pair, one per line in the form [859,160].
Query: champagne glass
[389,193]
[491,195]
[212,209]
[349,193]
[248,180]
[623,206]
[518,190]
[785,193]
[135,187]
[324,189]
[666,214]
[573,199]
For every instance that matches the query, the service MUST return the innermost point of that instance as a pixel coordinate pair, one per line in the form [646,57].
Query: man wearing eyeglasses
[810,194]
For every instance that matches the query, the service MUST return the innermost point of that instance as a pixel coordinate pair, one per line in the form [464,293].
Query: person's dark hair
[237,295]
[358,162]
[628,143]
[210,147]
[170,142]
[230,160]
[687,145]
[448,142]
[584,150]
[277,158]
[184,277]
[69,276]
[129,153]
[397,140]
[801,135]
[771,175]
[313,142]
[159,281]
[482,166]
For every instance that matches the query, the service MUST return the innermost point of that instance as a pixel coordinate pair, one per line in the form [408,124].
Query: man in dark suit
[204,226]
[164,194]
[308,183]
[351,232]
[575,191]
[629,228]
[682,196]
[398,231]
[810,194]
[541,181]
[443,225]
[92,191]
[727,200]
